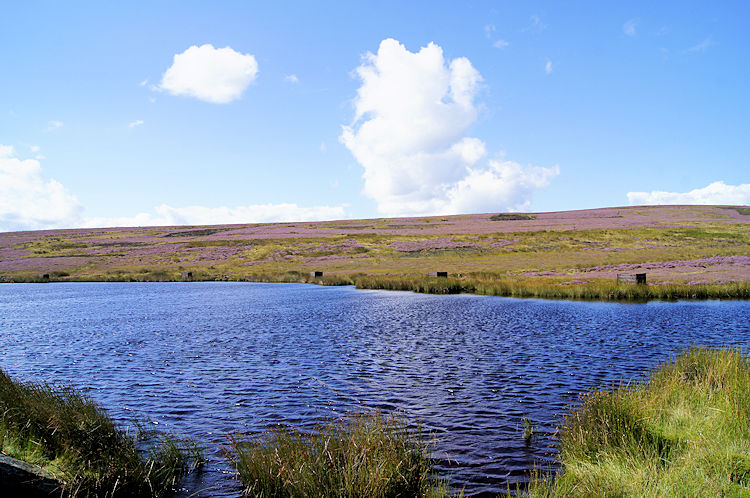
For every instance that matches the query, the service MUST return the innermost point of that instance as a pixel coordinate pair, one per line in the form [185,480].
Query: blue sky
[138,113]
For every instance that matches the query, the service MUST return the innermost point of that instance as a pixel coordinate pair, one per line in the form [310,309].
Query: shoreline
[602,290]
[681,432]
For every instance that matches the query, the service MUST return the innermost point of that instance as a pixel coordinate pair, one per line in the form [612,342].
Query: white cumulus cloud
[217,75]
[715,193]
[30,201]
[412,115]
[504,181]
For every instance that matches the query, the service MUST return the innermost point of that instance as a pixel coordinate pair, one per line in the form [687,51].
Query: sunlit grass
[67,434]
[685,432]
[554,289]
[372,456]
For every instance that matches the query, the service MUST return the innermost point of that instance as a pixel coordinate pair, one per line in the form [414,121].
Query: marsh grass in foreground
[685,432]
[67,434]
[363,455]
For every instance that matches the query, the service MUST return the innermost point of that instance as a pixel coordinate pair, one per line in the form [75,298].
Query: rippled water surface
[211,359]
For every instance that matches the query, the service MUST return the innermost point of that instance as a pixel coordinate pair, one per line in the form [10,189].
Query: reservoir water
[208,360]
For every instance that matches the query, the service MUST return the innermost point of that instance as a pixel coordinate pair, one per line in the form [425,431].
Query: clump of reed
[684,432]
[66,433]
[363,455]
[554,288]
[287,277]
[426,285]
[334,280]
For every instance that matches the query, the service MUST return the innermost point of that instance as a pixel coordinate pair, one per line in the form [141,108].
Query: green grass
[67,434]
[741,210]
[684,432]
[549,288]
[333,280]
[370,456]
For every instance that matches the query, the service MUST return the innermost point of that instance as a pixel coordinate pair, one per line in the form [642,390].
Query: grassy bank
[70,436]
[555,288]
[685,432]
[369,456]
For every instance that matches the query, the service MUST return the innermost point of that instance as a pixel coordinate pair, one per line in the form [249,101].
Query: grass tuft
[363,455]
[69,435]
[684,432]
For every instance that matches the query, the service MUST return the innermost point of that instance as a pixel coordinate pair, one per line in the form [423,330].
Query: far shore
[495,286]
[685,252]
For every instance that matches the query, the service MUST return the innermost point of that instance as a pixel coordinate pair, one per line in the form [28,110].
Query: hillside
[672,244]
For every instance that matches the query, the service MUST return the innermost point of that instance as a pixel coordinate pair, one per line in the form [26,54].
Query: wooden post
[631,278]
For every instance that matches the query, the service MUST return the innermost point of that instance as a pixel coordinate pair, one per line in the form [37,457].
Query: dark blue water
[211,359]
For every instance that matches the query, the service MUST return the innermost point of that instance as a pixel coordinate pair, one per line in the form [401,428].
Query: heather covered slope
[672,244]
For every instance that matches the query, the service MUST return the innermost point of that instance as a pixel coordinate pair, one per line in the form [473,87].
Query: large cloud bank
[715,193]
[217,75]
[412,115]
[28,201]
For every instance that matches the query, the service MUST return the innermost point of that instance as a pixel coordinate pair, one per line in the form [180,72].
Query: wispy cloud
[35,150]
[137,122]
[501,44]
[488,30]
[536,26]
[629,27]
[548,67]
[701,47]
[292,78]
[54,125]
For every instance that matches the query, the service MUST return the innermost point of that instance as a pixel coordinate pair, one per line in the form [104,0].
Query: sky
[184,112]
